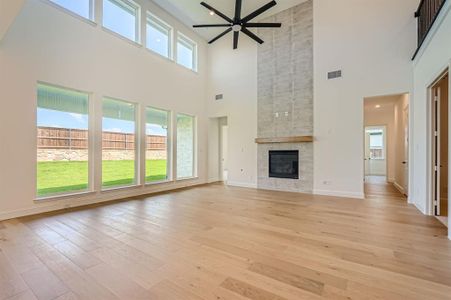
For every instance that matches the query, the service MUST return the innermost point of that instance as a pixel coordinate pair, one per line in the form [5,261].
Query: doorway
[223,146]
[386,144]
[376,153]
[440,147]
[218,149]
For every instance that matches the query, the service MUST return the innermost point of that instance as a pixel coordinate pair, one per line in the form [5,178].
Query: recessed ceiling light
[212,13]
[378,106]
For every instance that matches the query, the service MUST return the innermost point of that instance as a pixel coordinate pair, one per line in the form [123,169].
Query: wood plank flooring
[222,243]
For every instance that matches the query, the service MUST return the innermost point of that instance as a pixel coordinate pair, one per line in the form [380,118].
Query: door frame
[430,210]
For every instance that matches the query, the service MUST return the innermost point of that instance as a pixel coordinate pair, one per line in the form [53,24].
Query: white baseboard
[96,198]
[340,194]
[250,185]
[391,180]
[214,179]
[399,188]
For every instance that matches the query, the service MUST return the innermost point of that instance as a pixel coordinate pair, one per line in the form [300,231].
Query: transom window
[122,17]
[159,36]
[186,52]
[83,8]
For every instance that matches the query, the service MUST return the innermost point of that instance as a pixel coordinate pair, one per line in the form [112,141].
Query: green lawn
[63,176]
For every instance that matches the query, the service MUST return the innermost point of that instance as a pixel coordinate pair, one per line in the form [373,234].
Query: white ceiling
[191,12]
[383,102]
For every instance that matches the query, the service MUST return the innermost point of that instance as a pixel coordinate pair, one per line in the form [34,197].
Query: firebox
[284,164]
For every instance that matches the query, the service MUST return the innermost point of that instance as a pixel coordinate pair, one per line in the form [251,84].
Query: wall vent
[219,97]
[334,74]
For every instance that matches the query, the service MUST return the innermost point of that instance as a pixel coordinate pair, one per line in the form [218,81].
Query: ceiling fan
[238,24]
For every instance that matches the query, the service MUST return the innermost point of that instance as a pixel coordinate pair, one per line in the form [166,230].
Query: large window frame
[137,147]
[190,44]
[162,26]
[90,17]
[127,5]
[194,146]
[90,142]
[169,143]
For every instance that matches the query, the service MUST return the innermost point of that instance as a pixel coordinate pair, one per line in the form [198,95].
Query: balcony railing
[427,13]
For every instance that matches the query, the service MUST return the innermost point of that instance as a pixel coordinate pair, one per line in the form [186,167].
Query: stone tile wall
[285,93]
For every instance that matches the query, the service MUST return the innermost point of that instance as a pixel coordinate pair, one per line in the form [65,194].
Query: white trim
[213,179]
[250,185]
[399,188]
[94,199]
[340,194]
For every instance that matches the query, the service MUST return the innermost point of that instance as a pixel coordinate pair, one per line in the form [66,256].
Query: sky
[80,7]
[58,119]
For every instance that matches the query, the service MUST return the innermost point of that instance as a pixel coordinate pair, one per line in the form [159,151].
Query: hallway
[378,187]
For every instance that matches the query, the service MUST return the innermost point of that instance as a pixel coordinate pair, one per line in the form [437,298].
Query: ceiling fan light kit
[239,24]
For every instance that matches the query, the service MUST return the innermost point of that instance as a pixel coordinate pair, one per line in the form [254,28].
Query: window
[159,36]
[186,52]
[157,149]
[82,8]
[376,144]
[118,143]
[62,141]
[185,146]
[122,17]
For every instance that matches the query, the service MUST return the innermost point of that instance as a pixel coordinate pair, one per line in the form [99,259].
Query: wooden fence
[72,139]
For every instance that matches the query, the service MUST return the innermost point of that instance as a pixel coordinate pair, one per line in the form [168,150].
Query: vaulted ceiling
[191,12]
[9,9]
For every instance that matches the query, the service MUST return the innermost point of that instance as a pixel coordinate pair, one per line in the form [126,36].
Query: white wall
[234,74]
[372,42]
[47,44]
[428,65]
[401,155]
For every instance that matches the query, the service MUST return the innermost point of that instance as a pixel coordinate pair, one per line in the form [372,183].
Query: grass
[63,176]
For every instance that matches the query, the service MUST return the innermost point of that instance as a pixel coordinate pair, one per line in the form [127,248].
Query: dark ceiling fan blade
[252,35]
[220,36]
[216,12]
[263,25]
[259,11]
[238,5]
[236,35]
[211,25]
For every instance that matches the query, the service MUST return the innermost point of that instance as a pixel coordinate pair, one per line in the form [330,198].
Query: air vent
[219,97]
[334,74]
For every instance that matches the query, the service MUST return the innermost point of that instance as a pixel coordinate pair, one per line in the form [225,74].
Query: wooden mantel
[285,140]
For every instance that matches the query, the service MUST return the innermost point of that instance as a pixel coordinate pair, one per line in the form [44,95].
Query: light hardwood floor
[217,242]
